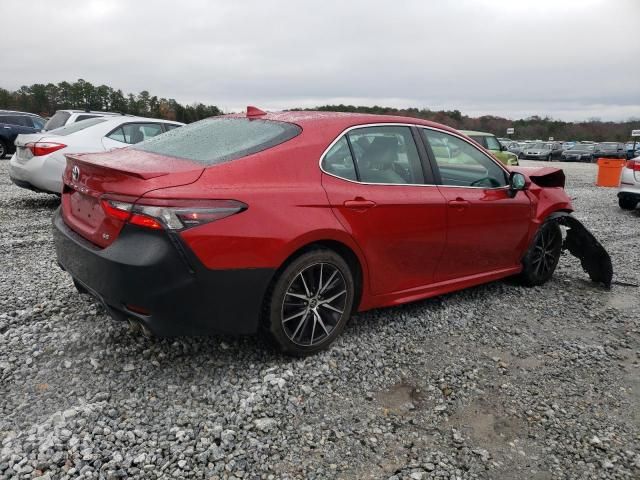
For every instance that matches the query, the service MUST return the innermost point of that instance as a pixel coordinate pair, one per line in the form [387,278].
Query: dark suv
[14,123]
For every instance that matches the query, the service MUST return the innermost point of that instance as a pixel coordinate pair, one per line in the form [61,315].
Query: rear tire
[310,302]
[627,203]
[541,259]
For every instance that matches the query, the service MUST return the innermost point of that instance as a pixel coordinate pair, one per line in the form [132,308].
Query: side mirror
[503,148]
[517,182]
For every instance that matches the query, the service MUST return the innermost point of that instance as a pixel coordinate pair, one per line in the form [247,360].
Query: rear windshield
[58,120]
[217,140]
[77,126]
[608,146]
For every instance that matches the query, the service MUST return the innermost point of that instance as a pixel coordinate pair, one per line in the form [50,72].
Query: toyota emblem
[75,173]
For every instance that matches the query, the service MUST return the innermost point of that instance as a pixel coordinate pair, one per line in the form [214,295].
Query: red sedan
[294,221]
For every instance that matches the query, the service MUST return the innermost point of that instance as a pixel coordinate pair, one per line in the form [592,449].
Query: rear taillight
[634,165]
[43,148]
[170,214]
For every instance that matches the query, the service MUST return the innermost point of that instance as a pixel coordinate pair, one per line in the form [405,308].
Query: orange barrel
[609,170]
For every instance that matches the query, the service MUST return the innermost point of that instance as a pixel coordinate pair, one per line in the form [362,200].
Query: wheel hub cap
[314,304]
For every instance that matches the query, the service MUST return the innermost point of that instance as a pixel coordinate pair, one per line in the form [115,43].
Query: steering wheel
[492,181]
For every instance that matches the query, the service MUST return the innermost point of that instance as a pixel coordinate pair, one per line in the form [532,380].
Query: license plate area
[86,209]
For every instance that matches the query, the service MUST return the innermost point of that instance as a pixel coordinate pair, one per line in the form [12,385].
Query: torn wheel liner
[582,244]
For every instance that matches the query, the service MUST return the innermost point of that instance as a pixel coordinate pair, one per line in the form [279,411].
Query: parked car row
[39,159]
[570,151]
[13,124]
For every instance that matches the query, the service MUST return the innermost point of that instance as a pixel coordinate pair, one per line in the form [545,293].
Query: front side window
[386,154]
[461,164]
[222,139]
[491,143]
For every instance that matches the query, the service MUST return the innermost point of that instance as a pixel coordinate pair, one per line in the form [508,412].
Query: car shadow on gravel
[42,202]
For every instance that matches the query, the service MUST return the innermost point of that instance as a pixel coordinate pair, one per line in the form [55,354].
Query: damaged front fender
[583,245]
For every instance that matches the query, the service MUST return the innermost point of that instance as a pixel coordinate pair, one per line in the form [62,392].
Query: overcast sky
[569,59]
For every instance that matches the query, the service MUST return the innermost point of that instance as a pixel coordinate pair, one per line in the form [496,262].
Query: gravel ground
[498,381]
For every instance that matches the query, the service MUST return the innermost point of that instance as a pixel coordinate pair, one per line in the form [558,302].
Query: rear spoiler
[143,169]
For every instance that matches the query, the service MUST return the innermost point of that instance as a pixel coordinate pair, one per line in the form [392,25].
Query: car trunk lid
[120,175]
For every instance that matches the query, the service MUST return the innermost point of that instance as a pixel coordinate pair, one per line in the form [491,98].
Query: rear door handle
[459,203]
[359,203]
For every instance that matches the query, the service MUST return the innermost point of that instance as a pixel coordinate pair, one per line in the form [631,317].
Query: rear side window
[79,118]
[170,126]
[339,162]
[383,155]
[386,154]
[19,120]
[77,126]
[217,140]
[133,133]
[58,120]
[10,120]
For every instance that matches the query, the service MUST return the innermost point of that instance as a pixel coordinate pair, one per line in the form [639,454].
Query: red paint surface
[411,242]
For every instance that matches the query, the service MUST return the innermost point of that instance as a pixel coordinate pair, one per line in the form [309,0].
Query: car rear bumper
[149,275]
[40,174]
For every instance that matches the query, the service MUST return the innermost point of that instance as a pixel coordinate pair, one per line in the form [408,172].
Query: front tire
[543,255]
[627,203]
[3,149]
[310,302]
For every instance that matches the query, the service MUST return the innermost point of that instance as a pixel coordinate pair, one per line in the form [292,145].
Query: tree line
[529,128]
[45,99]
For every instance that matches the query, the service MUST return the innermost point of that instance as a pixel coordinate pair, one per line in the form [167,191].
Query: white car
[39,161]
[629,194]
[66,117]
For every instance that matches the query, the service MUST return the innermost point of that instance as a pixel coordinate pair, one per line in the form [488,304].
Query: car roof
[89,112]
[131,118]
[473,132]
[15,112]
[338,121]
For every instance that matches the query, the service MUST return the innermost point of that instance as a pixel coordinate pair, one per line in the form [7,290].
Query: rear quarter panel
[287,208]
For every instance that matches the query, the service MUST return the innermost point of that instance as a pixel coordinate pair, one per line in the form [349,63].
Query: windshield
[541,146]
[582,147]
[57,121]
[608,146]
[77,126]
[216,140]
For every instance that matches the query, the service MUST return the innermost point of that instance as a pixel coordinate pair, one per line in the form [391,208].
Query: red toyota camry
[293,221]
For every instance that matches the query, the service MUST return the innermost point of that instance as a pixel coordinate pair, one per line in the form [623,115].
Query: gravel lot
[499,381]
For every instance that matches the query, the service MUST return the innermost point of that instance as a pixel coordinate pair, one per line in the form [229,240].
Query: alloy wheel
[544,253]
[313,304]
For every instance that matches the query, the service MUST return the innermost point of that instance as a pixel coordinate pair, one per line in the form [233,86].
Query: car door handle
[7,127]
[359,203]
[459,203]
